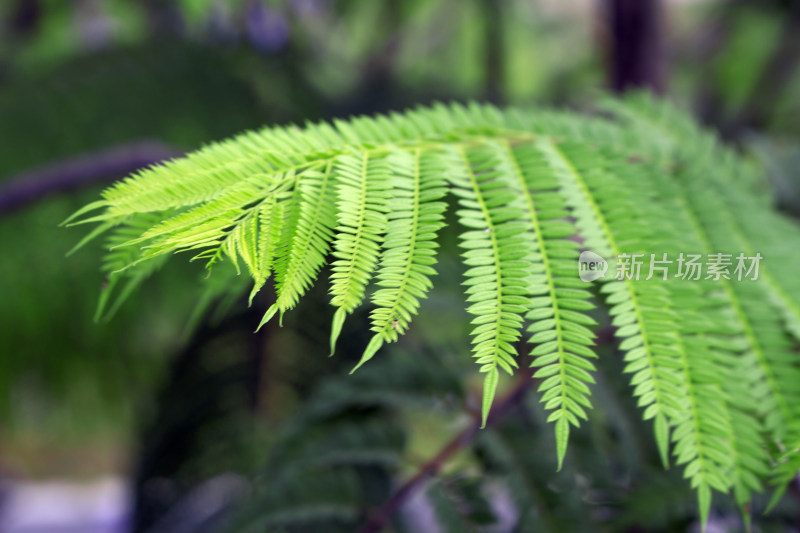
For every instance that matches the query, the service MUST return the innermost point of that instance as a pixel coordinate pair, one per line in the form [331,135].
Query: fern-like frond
[786,470]
[121,264]
[559,322]
[415,215]
[710,361]
[498,256]
[639,310]
[363,185]
[735,181]
[305,242]
[670,370]
[724,354]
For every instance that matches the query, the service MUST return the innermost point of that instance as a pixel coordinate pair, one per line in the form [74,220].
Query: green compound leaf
[711,362]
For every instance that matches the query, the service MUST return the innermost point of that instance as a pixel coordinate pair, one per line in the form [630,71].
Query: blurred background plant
[194,424]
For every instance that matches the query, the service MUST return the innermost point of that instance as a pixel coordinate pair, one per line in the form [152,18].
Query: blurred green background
[174,395]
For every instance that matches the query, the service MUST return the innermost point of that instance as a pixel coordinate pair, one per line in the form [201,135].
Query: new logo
[591,266]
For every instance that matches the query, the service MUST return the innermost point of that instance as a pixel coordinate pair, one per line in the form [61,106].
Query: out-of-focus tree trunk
[495,71]
[25,17]
[22,22]
[164,17]
[636,54]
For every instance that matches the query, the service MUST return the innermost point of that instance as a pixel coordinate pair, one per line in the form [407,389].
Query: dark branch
[430,468]
[73,173]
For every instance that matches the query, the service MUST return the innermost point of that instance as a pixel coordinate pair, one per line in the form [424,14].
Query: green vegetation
[711,362]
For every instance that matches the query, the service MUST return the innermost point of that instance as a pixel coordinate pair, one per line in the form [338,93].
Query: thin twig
[76,172]
[378,520]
